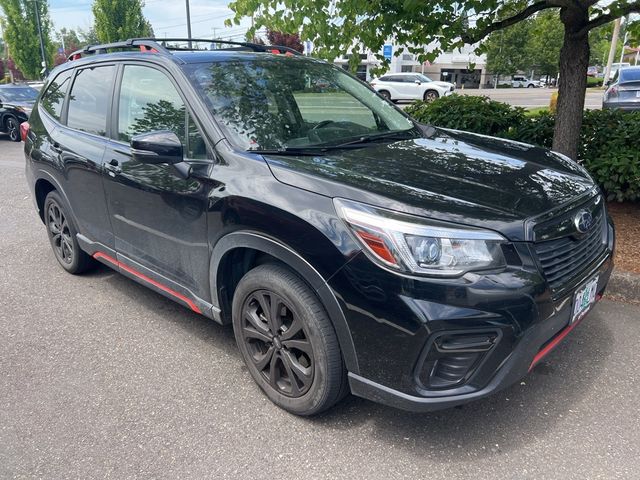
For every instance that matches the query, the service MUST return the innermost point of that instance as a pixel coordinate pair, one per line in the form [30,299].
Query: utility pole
[43,72]
[626,36]
[188,23]
[612,50]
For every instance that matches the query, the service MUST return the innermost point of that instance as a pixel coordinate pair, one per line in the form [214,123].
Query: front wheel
[430,96]
[385,94]
[531,85]
[13,129]
[287,340]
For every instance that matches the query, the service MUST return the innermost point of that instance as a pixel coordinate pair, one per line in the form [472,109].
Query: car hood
[454,176]
[27,105]
[442,84]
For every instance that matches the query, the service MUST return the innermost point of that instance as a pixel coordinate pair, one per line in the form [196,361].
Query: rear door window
[53,99]
[90,99]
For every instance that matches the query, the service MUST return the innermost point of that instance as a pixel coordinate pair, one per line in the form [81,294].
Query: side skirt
[149,278]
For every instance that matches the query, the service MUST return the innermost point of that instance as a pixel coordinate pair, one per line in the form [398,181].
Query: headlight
[416,245]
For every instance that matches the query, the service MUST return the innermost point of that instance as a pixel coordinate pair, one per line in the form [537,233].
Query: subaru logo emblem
[583,221]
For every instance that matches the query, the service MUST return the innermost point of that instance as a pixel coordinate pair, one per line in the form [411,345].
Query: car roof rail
[155,45]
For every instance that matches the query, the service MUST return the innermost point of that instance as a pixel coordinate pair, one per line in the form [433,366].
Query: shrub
[594,82]
[608,139]
[466,112]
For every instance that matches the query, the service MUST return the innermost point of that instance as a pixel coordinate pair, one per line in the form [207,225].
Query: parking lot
[102,378]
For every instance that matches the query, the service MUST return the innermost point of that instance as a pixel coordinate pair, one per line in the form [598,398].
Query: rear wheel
[13,129]
[430,96]
[62,236]
[385,94]
[531,85]
[287,340]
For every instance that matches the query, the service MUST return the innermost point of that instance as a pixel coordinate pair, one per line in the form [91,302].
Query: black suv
[351,248]
[16,103]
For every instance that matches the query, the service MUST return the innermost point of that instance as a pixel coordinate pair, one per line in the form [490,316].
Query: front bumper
[393,322]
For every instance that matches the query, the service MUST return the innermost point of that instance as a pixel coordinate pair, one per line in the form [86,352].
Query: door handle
[55,146]
[113,167]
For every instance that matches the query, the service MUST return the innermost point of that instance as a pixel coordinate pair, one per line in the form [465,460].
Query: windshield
[277,103]
[21,94]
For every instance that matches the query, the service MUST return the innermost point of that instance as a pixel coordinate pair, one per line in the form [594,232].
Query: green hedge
[608,140]
[594,82]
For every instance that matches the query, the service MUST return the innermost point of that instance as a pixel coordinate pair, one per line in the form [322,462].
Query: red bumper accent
[142,276]
[556,340]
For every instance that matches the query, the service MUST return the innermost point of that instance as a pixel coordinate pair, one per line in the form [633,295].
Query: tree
[116,20]
[291,40]
[507,51]
[543,49]
[21,34]
[345,25]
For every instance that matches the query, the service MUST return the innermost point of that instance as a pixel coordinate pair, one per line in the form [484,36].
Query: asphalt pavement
[102,378]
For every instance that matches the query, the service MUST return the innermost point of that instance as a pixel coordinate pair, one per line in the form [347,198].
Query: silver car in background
[624,90]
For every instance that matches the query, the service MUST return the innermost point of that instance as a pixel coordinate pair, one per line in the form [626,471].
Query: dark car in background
[351,248]
[624,90]
[16,103]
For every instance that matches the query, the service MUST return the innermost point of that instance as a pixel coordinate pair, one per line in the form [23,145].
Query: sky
[167,17]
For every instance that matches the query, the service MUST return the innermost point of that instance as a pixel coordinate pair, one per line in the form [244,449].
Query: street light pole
[188,23]
[612,50]
[42,53]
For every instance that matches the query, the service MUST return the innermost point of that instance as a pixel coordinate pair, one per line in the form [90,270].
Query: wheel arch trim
[284,253]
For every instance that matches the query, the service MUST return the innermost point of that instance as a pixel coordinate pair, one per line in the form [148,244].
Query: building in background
[461,67]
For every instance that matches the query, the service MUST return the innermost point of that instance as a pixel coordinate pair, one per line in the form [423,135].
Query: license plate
[584,299]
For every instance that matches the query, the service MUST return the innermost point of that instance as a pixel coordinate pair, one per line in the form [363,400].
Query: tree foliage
[345,26]
[21,34]
[116,20]
[291,40]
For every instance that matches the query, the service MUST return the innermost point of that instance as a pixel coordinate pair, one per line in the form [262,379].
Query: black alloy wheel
[62,235]
[13,129]
[278,343]
[287,340]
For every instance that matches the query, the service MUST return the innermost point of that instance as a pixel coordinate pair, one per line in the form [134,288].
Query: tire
[430,96]
[385,94]
[281,327]
[13,129]
[531,85]
[62,236]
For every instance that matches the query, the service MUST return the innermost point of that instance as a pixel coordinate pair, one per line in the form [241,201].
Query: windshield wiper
[390,135]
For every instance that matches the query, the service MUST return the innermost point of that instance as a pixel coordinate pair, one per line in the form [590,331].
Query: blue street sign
[387,51]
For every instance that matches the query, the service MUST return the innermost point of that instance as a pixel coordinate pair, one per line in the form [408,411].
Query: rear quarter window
[53,99]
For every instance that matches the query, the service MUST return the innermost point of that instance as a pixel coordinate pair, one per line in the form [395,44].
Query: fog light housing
[450,359]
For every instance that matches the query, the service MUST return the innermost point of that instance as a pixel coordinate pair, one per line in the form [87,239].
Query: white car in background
[411,86]
[520,81]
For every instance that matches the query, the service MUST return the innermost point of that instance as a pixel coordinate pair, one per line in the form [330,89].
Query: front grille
[564,258]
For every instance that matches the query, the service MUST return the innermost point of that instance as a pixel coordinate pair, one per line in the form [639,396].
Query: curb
[625,285]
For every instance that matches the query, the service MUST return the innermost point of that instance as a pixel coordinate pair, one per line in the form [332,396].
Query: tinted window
[89,99]
[149,102]
[54,96]
[277,102]
[630,75]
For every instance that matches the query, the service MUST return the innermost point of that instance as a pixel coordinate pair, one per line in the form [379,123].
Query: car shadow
[506,421]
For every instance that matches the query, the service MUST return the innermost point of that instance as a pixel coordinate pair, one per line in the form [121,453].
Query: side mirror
[417,82]
[161,146]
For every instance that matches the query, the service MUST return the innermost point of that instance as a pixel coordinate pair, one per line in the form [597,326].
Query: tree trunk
[574,61]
